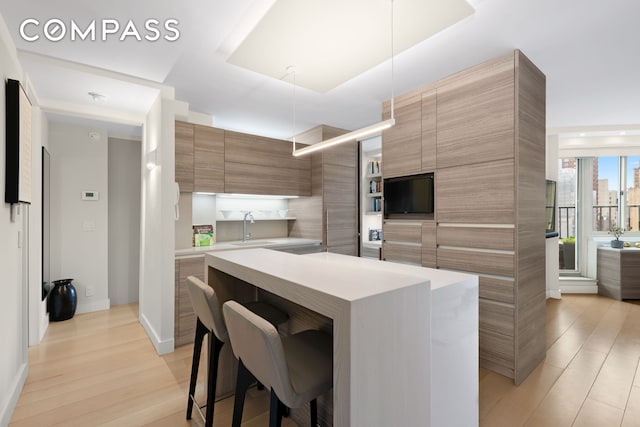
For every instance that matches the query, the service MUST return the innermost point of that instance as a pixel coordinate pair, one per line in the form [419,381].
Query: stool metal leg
[276,409]
[243,381]
[313,410]
[215,345]
[201,331]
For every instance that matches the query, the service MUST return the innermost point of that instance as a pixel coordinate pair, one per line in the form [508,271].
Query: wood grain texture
[619,273]
[475,116]
[341,155]
[482,193]
[258,179]
[497,317]
[208,160]
[476,262]
[398,252]
[185,317]
[429,111]
[497,352]
[259,150]
[477,237]
[429,247]
[402,143]
[340,184]
[530,240]
[402,231]
[497,289]
[341,223]
[184,155]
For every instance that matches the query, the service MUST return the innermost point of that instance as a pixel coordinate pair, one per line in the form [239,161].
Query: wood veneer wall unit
[402,147]
[184,156]
[208,159]
[530,102]
[489,168]
[259,165]
[330,214]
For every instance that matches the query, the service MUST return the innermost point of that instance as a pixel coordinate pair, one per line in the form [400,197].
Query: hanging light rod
[354,135]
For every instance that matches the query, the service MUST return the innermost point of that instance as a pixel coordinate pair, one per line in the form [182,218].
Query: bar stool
[297,368]
[210,322]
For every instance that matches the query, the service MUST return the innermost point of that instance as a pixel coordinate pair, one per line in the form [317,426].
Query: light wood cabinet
[208,164]
[184,316]
[402,241]
[476,115]
[487,124]
[429,245]
[482,193]
[428,130]
[402,252]
[402,143]
[331,213]
[184,155]
[259,165]
[619,273]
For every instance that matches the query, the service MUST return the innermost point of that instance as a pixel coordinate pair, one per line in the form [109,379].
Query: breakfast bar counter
[405,338]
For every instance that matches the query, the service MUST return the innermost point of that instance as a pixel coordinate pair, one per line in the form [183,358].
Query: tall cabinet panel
[184,155]
[487,125]
[334,191]
[208,168]
[402,143]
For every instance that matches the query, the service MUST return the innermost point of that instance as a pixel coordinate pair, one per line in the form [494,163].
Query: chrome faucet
[246,236]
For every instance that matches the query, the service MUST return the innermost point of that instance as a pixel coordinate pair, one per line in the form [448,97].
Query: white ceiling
[588,50]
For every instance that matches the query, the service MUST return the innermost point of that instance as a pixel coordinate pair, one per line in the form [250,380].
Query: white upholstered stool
[210,322]
[297,368]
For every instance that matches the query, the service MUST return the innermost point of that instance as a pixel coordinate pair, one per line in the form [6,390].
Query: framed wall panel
[18,140]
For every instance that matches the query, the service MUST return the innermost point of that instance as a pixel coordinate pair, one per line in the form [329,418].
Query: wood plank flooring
[590,376]
[100,369]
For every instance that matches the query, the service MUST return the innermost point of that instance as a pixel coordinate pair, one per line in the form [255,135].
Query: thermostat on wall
[90,195]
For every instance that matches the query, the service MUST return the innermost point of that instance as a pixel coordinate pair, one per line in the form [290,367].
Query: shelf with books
[374,195]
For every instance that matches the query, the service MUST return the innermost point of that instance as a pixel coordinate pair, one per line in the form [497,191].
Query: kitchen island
[405,338]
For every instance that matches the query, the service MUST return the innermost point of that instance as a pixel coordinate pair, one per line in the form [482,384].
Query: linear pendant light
[356,134]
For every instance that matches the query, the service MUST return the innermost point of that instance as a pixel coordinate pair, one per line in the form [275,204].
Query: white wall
[79,228]
[38,316]
[124,220]
[13,264]
[157,233]
[552,265]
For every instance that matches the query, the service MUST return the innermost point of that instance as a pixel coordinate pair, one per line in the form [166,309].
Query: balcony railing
[603,217]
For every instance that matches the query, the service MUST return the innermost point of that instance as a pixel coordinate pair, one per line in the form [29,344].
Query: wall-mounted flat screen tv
[409,196]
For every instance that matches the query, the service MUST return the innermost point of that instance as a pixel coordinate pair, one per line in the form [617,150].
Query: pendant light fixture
[371,130]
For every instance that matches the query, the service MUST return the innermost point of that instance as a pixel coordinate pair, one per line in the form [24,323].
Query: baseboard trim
[554,293]
[9,405]
[580,286]
[98,305]
[162,347]
[44,324]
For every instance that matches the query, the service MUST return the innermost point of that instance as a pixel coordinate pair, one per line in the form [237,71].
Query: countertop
[279,243]
[629,249]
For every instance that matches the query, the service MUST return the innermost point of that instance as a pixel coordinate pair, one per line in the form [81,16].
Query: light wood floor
[590,376]
[101,369]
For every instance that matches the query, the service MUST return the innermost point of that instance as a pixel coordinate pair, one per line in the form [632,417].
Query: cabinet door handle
[327,230]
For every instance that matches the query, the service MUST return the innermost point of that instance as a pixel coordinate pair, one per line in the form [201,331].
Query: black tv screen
[409,196]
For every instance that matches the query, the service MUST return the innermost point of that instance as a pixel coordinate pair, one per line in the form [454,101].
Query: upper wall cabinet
[475,115]
[199,158]
[409,147]
[259,165]
[402,144]
[208,170]
[184,156]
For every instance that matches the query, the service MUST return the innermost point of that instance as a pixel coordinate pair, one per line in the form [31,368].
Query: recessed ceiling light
[583,134]
[97,97]
[623,133]
[94,136]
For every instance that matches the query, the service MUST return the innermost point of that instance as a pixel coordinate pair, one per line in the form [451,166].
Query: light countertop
[274,243]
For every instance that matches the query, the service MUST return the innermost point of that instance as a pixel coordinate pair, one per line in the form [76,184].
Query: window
[567,213]
[606,192]
[632,208]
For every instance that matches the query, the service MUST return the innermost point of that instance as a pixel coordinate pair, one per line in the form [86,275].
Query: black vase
[63,300]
